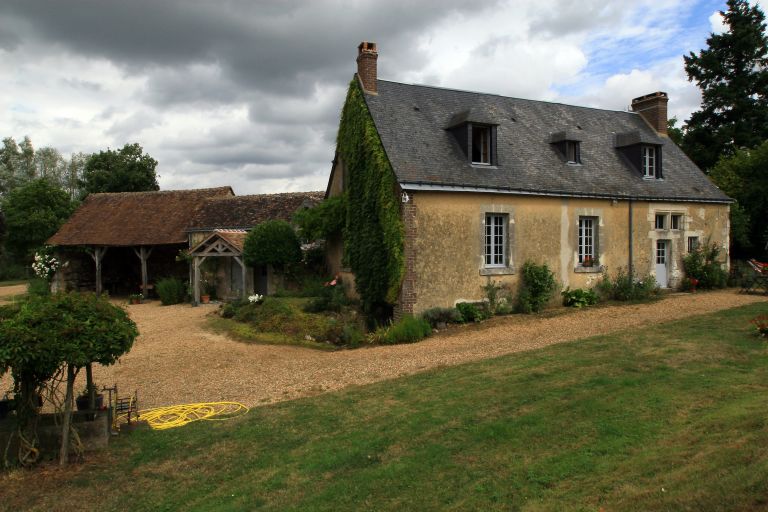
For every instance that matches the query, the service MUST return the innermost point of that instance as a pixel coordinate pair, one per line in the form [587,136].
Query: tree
[273,242]
[732,74]
[125,170]
[33,213]
[323,220]
[675,133]
[744,178]
[46,334]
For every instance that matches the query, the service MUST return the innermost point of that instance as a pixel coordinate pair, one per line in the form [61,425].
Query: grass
[672,417]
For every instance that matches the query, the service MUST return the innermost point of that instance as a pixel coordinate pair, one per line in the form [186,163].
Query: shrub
[537,287]
[171,291]
[39,286]
[230,309]
[472,312]
[437,316]
[579,298]
[408,330]
[352,335]
[331,298]
[702,265]
[272,243]
[625,287]
[496,295]
[271,315]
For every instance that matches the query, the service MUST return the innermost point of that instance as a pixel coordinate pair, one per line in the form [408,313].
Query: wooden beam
[143,254]
[98,255]
[196,262]
[244,274]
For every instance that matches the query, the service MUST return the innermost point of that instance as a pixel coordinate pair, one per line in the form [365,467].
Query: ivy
[322,221]
[374,232]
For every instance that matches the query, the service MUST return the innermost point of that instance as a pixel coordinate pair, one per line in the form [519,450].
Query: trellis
[216,246]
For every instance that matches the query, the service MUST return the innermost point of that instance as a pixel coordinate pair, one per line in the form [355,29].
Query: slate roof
[245,212]
[134,218]
[412,121]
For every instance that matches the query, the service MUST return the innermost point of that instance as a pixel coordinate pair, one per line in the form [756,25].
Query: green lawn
[673,417]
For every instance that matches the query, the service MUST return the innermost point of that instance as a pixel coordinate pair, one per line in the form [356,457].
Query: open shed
[130,238]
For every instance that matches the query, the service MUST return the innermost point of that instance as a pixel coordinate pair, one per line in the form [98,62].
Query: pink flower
[333,283]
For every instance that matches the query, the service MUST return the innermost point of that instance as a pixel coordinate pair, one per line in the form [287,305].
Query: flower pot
[82,402]
[135,301]
[205,299]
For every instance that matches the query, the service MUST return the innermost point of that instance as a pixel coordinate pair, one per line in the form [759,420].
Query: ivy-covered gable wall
[374,233]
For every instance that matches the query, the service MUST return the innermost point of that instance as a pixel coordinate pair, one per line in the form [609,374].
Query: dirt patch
[176,360]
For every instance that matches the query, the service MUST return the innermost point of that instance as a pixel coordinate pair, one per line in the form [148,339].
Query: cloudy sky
[248,93]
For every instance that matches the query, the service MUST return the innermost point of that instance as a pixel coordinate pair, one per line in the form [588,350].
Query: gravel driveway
[175,360]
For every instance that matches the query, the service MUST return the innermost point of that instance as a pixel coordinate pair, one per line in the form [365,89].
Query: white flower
[255,298]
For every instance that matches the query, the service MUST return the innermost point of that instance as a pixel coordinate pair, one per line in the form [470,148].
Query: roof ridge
[478,93]
[174,191]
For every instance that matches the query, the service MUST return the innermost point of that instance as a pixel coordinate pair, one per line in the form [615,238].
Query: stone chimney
[366,65]
[653,108]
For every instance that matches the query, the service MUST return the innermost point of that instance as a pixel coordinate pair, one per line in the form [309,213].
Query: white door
[662,256]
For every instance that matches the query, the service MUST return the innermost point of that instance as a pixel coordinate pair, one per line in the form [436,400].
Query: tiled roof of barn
[245,212]
[412,121]
[135,218]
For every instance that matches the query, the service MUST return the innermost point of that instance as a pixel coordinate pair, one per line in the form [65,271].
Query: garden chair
[757,279]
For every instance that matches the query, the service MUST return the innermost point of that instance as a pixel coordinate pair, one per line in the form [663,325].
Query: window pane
[660,221]
[587,244]
[481,144]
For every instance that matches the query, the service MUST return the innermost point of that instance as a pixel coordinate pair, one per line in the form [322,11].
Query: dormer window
[481,145]
[649,162]
[475,133]
[573,151]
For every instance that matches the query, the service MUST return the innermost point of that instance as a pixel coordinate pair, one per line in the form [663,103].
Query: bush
[230,309]
[352,335]
[331,298]
[272,243]
[625,287]
[496,295]
[39,287]
[579,298]
[171,291]
[271,315]
[703,266]
[437,316]
[408,330]
[537,287]
[472,312]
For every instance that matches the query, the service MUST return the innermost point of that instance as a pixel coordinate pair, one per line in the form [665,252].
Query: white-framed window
[648,156]
[572,152]
[495,240]
[661,221]
[587,241]
[676,221]
[481,144]
[693,243]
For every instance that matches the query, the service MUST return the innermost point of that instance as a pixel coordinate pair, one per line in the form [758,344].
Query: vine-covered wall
[374,233]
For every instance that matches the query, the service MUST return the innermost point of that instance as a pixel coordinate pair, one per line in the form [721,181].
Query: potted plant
[208,291]
[136,298]
[82,400]
[694,282]
[588,261]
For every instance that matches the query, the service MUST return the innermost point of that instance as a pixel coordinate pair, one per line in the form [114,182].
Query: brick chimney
[653,108]
[366,65]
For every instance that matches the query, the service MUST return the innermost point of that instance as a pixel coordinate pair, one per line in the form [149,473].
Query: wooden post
[243,273]
[196,262]
[98,255]
[143,254]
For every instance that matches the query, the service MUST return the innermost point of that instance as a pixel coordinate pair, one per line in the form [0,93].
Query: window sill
[479,165]
[589,270]
[497,271]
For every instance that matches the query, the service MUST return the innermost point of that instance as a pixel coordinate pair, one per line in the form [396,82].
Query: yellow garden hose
[162,418]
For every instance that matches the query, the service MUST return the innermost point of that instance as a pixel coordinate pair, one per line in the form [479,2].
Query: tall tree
[33,213]
[125,170]
[9,164]
[732,75]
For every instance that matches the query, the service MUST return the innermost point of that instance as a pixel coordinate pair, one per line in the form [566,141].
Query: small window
[693,243]
[481,145]
[649,162]
[676,221]
[661,221]
[587,241]
[573,152]
[495,240]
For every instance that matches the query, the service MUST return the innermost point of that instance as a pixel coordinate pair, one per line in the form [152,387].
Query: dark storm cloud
[277,46]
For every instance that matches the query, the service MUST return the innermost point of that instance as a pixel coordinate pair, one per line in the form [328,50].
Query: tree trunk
[90,387]
[67,423]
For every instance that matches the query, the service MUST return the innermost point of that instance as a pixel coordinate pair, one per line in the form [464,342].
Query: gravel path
[175,360]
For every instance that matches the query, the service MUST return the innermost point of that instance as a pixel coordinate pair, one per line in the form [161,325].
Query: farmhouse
[124,242]
[484,183]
